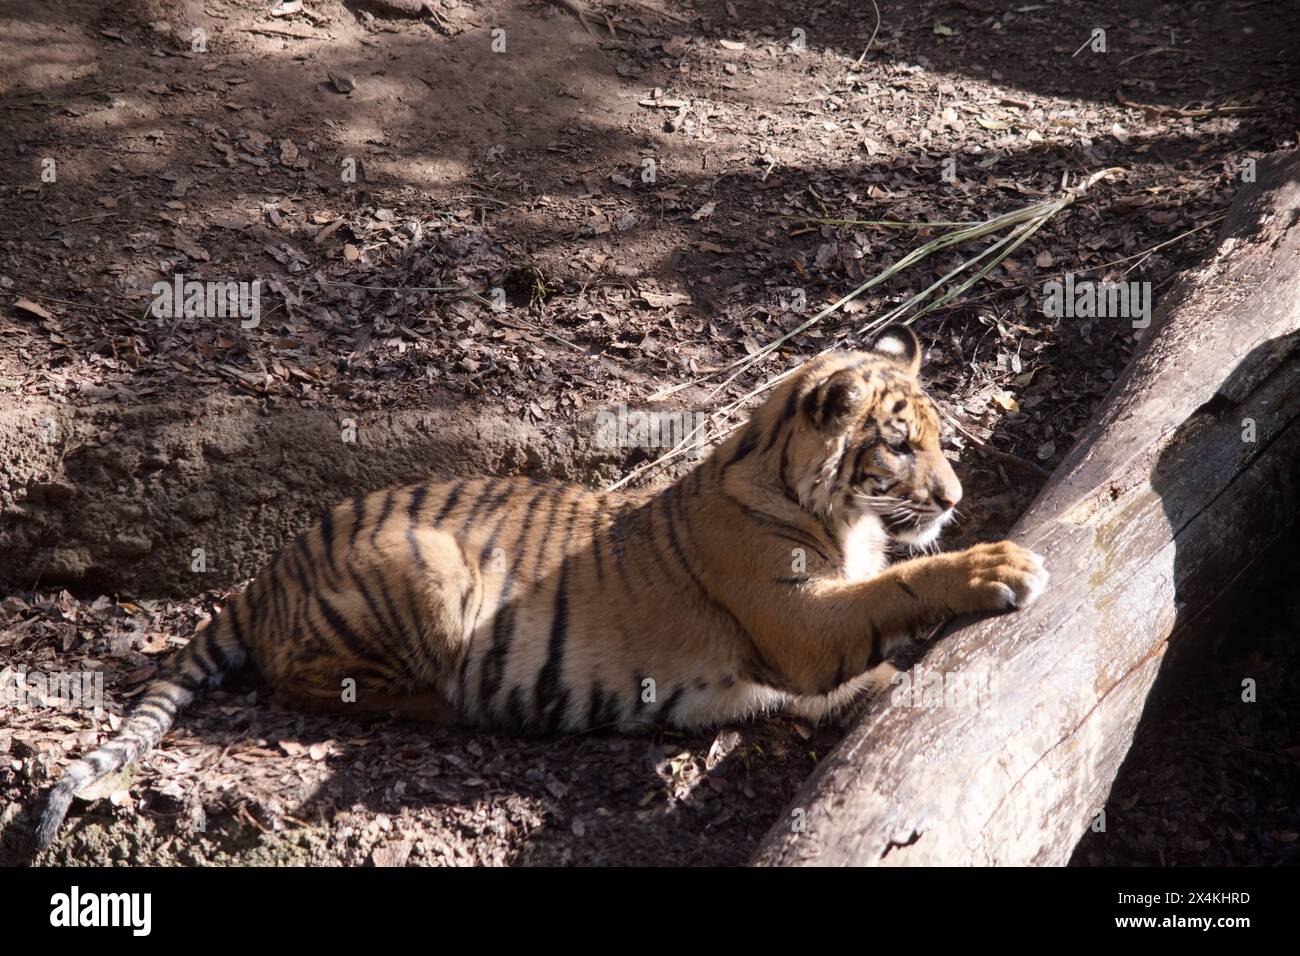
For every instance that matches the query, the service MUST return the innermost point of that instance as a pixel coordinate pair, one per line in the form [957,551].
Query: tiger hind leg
[385,631]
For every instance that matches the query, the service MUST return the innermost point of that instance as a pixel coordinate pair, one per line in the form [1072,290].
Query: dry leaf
[27,305]
[1006,401]
[704,211]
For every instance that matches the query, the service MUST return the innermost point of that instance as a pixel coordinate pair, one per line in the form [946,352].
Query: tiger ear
[833,400]
[901,344]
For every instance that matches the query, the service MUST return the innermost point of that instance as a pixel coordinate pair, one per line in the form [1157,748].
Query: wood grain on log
[1163,503]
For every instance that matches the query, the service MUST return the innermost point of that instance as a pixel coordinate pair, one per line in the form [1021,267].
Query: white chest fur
[866,549]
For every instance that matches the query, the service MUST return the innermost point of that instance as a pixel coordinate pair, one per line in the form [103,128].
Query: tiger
[774,575]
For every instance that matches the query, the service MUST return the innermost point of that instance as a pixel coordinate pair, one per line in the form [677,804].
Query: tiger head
[856,436]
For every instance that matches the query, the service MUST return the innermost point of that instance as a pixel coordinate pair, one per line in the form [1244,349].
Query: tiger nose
[945,494]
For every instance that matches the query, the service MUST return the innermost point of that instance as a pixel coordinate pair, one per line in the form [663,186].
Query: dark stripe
[670,526]
[450,503]
[781,528]
[416,554]
[384,512]
[611,714]
[484,505]
[418,494]
[839,469]
[515,707]
[638,693]
[186,681]
[595,706]
[748,442]
[618,533]
[462,675]
[297,605]
[665,714]
[146,712]
[490,544]
[327,540]
[469,588]
[411,648]
[389,636]
[494,661]
[785,462]
[274,592]
[255,600]
[291,563]
[857,460]
[839,677]
[810,405]
[493,667]
[787,413]
[877,651]
[312,634]
[544,538]
[358,519]
[651,547]
[355,643]
[162,702]
[667,499]
[551,701]
[906,590]
[229,661]
[597,553]
[309,562]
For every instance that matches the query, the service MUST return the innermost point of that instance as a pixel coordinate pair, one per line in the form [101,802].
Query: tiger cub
[760,580]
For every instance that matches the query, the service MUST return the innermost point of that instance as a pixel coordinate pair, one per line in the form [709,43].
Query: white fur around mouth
[925,534]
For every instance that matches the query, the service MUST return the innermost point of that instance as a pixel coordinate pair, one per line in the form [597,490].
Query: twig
[1159,49]
[1186,113]
[572,7]
[882,223]
[1035,216]
[1025,221]
[283,33]
[395,288]
[527,326]
[663,13]
[76,305]
[858,62]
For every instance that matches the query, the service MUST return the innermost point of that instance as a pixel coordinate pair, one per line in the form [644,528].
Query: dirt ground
[226,154]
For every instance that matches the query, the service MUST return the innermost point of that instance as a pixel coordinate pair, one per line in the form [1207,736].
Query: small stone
[131,546]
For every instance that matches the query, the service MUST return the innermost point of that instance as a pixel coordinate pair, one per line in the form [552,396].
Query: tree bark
[1186,475]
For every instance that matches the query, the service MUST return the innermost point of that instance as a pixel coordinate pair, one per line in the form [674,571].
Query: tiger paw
[1001,576]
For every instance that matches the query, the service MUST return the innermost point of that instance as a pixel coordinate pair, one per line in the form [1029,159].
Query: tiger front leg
[997,576]
[846,628]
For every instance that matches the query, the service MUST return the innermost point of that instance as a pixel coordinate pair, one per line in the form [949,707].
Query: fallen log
[1187,474]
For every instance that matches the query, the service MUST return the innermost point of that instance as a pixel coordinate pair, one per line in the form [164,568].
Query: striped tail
[213,653]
